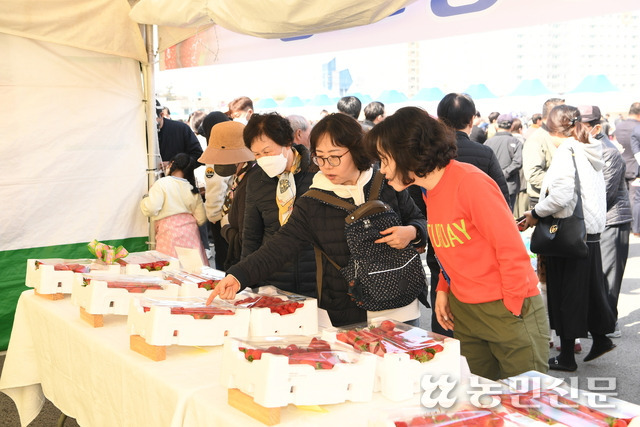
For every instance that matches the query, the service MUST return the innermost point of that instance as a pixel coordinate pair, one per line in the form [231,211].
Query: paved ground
[622,364]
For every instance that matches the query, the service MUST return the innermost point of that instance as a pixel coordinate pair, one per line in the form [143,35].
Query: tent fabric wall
[96,25]
[72,156]
[266,18]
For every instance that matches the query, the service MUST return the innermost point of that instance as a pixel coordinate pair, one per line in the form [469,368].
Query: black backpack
[380,277]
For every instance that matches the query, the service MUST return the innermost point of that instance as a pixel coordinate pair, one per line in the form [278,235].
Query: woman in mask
[228,164]
[286,172]
[346,171]
[575,286]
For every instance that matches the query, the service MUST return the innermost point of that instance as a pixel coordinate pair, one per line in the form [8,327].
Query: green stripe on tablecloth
[13,269]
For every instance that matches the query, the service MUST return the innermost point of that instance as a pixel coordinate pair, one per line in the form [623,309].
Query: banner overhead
[418,20]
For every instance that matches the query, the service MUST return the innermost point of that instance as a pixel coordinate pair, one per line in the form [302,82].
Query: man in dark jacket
[614,241]
[627,134]
[457,111]
[508,150]
[175,138]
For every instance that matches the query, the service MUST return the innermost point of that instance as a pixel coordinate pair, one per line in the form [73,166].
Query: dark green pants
[498,344]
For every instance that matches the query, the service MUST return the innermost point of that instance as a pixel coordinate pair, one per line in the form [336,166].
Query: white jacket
[171,196]
[215,193]
[558,197]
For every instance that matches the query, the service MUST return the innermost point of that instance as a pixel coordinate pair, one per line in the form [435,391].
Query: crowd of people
[463,188]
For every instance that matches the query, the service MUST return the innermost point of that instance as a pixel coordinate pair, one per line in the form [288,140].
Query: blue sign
[443,9]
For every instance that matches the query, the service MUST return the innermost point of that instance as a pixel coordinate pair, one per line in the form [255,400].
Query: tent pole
[153,155]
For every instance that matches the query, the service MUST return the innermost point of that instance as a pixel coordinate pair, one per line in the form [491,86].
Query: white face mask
[273,165]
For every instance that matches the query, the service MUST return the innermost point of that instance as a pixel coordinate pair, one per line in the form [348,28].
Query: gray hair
[298,122]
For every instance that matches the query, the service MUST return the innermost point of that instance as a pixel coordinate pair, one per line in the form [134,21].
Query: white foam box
[304,321]
[273,382]
[398,376]
[159,327]
[46,280]
[98,298]
[133,268]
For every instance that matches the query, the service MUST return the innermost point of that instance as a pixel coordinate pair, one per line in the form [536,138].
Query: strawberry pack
[405,354]
[56,275]
[152,262]
[192,284]
[110,294]
[303,370]
[461,414]
[551,408]
[164,321]
[464,418]
[276,312]
[536,396]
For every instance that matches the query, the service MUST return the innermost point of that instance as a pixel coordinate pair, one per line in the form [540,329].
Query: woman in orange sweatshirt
[487,292]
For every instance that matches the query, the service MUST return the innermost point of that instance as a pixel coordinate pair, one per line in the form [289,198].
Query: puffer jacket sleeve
[198,210]
[253,227]
[152,204]
[613,173]
[277,250]
[411,215]
[559,183]
[216,191]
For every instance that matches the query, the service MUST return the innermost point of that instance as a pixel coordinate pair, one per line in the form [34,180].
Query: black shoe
[556,365]
[598,350]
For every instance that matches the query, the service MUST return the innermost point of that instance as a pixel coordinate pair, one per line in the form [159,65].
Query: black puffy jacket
[322,225]
[298,273]
[618,205]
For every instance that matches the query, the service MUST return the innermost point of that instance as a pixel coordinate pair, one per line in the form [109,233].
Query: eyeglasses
[332,160]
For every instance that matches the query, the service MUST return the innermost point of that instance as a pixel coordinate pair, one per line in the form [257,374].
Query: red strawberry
[387,325]
[341,336]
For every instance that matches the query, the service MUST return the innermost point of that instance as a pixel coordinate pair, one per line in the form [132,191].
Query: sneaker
[615,334]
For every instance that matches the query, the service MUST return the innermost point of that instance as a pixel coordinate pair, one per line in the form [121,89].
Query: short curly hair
[344,131]
[272,125]
[416,141]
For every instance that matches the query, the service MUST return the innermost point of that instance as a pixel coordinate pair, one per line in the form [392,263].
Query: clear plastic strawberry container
[148,262]
[302,370]
[405,354]
[276,312]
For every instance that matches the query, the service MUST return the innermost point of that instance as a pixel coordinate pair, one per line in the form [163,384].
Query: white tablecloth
[91,375]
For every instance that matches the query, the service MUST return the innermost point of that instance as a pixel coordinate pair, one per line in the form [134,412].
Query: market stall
[382,373]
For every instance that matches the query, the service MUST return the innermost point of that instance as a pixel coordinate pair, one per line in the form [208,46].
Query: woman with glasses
[285,173]
[346,171]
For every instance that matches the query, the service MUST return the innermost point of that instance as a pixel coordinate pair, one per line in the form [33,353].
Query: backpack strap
[376,185]
[374,193]
[329,199]
[333,201]
[319,253]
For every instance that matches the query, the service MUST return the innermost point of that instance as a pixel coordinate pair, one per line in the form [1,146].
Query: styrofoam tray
[98,298]
[159,327]
[46,280]
[273,382]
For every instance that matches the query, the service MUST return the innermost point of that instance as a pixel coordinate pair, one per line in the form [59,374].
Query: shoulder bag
[562,237]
